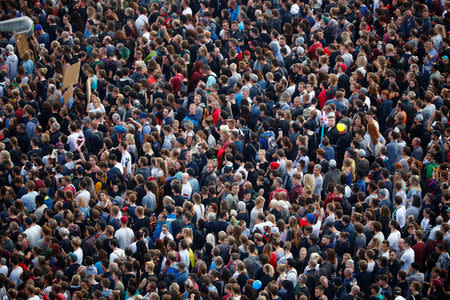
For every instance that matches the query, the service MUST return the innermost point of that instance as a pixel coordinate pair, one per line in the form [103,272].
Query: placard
[68,94]
[22,44]
[70,76]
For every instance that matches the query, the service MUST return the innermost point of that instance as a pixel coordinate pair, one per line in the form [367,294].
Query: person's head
[318,291]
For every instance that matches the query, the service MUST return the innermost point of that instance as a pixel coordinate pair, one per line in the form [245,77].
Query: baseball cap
[124,219]
[300,50]
[254,77]
[332,163]
[382,192]
[189,284]
[181,140]
[120,129]
[86,120]
[274,165]
[363,90]
[311,218]
[436,133]
[127,88]
[343,67]
[300,40]
[419,117]
[337,281]
[227,169]
[73,256]
[10,48]
[143,115]
[80,170]
[362,152]
[38,27]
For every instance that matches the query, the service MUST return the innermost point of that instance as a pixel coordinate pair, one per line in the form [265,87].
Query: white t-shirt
[72,138]
[4,270]
[168,234]
[408,259]
[187,11]
[124,236]
[185,257]
[79,253]
[126,162]
[84,194]
[393,239]
[400,216]
[186,191]
[34,234]
[118,253]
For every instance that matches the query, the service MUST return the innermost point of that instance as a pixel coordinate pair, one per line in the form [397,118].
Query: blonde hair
[309,181]
[82,202]
[439,29]
[415,182]
[5,156]
[129,138]
[269,269]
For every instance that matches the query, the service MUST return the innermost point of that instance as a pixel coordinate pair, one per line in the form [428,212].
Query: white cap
[10,48]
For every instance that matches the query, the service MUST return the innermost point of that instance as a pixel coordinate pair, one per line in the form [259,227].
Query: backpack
[152,226]
[435,174]
[121,257]
[206,113]
[254,159]
[346,206]
[183,86]
[268,143]
[260,90]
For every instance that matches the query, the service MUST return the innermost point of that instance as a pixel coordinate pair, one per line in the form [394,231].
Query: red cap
[124,220]
[247,52]
[343,67]
[274,165]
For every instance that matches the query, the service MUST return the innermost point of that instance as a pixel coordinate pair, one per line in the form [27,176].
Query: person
[124,235]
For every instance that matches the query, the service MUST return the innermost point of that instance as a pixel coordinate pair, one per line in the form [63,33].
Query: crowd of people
[225,150]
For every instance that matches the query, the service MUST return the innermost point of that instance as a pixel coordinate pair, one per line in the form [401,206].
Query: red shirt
[215,116]
[151,80]
[302,223]
[419,253]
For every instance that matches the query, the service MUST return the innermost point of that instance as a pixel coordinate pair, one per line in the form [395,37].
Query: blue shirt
[429,62]
[29,129]
[29,201]
[234,14]
[28,66]
[329,153]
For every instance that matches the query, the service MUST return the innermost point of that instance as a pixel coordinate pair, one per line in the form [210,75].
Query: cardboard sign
[70,76]
[22,44]
[68,94]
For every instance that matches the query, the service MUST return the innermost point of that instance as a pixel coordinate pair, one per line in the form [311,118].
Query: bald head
[355,290]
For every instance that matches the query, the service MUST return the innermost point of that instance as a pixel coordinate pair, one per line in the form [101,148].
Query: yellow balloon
[340,127]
